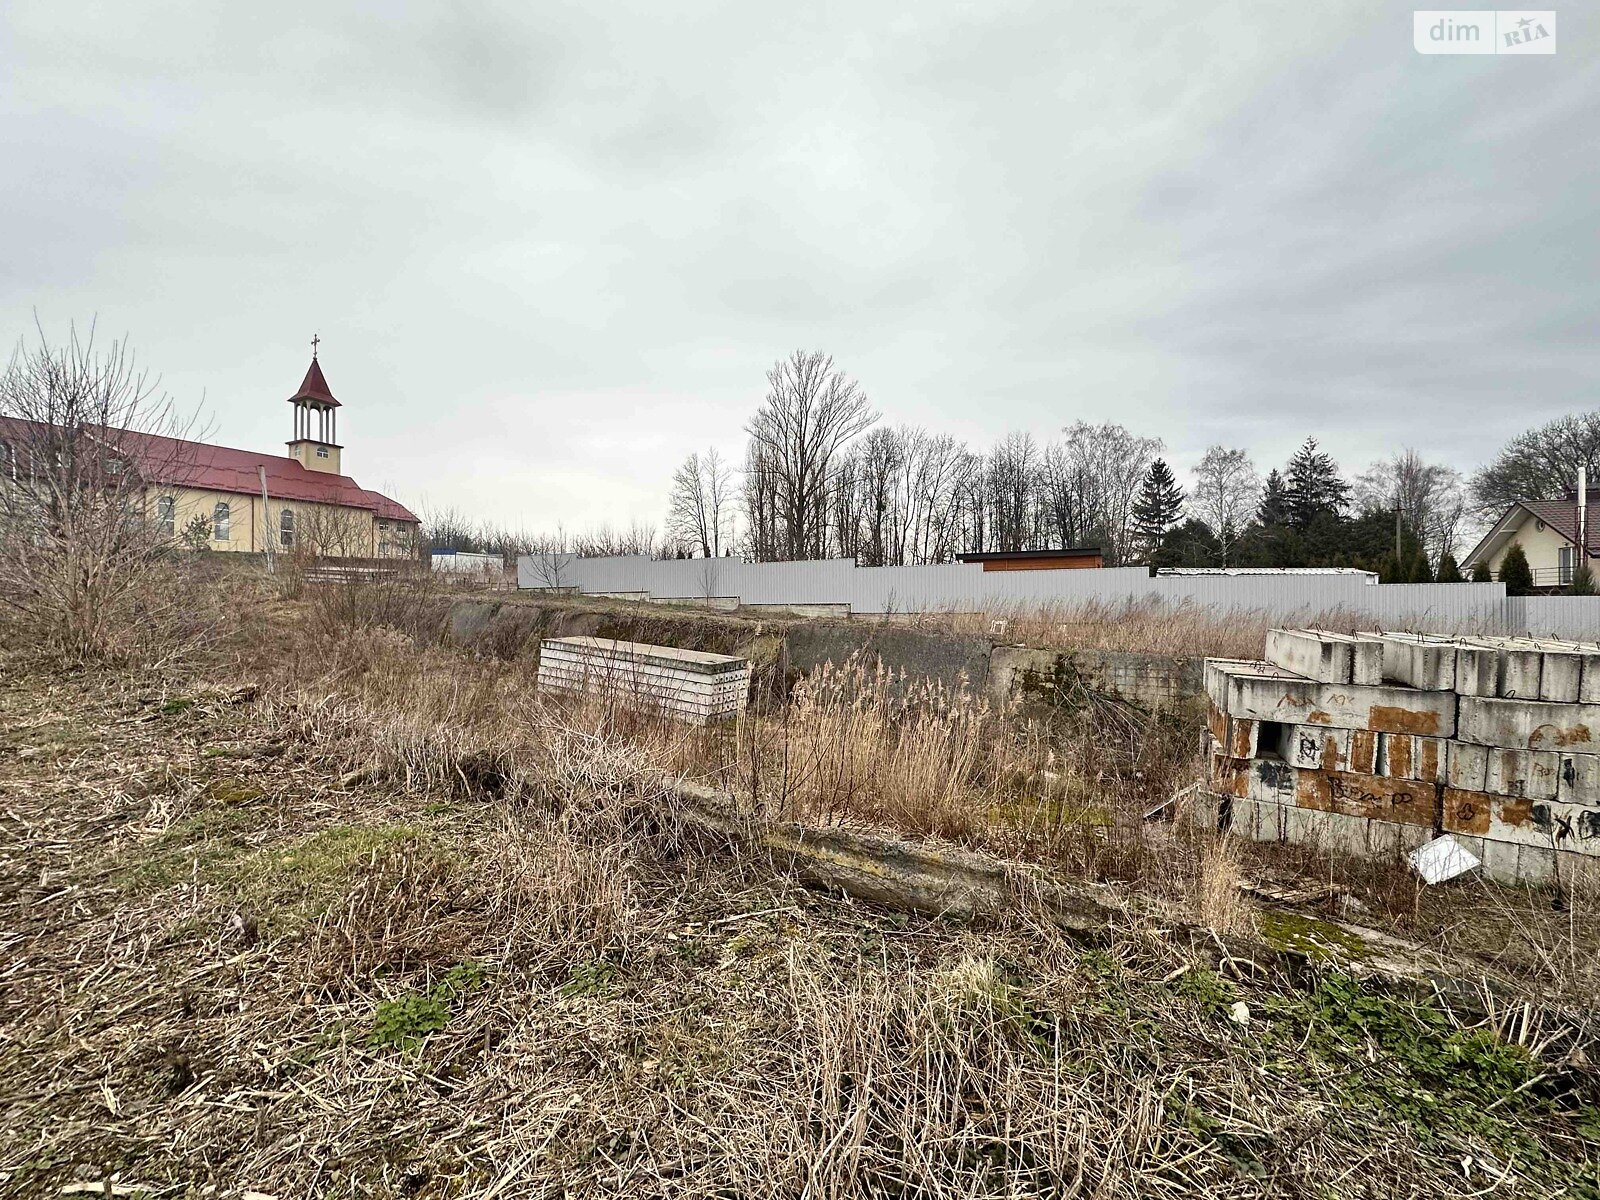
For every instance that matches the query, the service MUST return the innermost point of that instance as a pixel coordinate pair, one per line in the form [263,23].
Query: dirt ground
[243,952]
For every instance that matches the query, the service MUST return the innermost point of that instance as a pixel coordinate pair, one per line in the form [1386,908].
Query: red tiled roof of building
[314,387]
[179,462]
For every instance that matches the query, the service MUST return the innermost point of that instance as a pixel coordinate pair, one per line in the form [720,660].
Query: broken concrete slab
[1530,724]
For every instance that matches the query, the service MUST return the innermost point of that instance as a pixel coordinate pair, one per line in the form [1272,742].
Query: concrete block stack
[1375,743]
[689,685]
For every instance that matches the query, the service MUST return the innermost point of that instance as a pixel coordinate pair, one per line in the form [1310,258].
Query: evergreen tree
[1449,569]
[1156,510]
[1314,486]
[1274,509]
[1514,572]
[1582,581]
[1480,573]
[1416,564]
[1192,544]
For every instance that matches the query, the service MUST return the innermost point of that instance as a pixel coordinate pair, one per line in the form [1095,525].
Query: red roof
[314,387]
[182,463]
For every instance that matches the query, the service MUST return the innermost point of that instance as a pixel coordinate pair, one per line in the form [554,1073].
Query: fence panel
[965,587]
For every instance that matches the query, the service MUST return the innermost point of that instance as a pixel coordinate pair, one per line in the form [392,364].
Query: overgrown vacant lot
[303,922]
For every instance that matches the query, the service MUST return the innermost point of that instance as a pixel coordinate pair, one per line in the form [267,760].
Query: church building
[219,498]
[247,501]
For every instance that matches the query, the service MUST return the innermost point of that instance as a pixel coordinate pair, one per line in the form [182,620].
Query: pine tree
[1274,510]
[1480,572]
[1583,581]
[1449,569]
[1314,486]
[1514,572]
[1156,509]
[1416,564]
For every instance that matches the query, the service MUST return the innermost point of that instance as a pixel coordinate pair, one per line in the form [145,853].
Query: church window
[286,528]
[322,452]
[220,520]
[167,515]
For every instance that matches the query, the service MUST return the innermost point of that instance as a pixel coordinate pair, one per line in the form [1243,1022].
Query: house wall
[1541,545]
[356,529]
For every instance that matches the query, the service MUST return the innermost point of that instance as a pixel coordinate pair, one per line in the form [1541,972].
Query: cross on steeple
[315,340]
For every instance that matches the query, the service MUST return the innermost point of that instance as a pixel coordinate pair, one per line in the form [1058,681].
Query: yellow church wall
[329,529]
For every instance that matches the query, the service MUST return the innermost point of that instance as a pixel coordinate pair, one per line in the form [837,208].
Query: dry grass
[398,927]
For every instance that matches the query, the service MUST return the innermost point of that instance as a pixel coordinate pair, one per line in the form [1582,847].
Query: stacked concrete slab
[1375,743]
[690,685]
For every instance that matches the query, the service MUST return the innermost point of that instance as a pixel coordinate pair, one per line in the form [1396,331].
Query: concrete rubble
[1375,744]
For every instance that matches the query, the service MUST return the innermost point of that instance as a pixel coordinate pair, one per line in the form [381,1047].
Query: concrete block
[1574,828]
[1208,810]
[1363,756]
[1219,672]
[1274,781]
[1235,738]
[1530,724]
[1313,748]
[1589,685]
[1426,664]
[1391,839]
[1530,773]
[1518,666]
[1404,756]
[1561,676]
[1269,821]
[1580,779]
[1467,766]
[1465,812]
[1404,801]
[1330,832]
[1340,706]
[1477,671]
[1395,752]
[1509,863]
[1308,653]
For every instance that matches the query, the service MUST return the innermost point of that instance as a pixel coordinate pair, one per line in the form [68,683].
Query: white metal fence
[964,587]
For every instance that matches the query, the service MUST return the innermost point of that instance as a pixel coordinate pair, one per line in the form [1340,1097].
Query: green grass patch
[407,1021]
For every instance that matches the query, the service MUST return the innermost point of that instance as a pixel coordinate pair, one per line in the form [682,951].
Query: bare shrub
[84,437]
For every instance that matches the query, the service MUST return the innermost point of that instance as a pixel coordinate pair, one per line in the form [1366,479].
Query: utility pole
[266,518]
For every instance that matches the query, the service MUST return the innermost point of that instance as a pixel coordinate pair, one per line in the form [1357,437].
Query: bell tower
[316,422]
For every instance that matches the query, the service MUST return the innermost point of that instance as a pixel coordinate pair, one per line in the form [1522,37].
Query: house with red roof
[1550,533]
[249,502]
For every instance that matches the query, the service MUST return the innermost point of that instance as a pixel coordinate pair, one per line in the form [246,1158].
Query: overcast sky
[551,249]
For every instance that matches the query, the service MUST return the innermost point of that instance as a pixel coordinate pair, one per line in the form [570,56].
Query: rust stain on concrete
[1559,736]
[1466,812]
[1363,751]
[1386,719]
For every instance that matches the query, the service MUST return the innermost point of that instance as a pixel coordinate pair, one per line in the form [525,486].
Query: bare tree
[701,503]
[1226,493]
[1013,470]
[811,412]
[326,531]
[1540,464]
[1430,498]
[1105,465]
[90,450]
